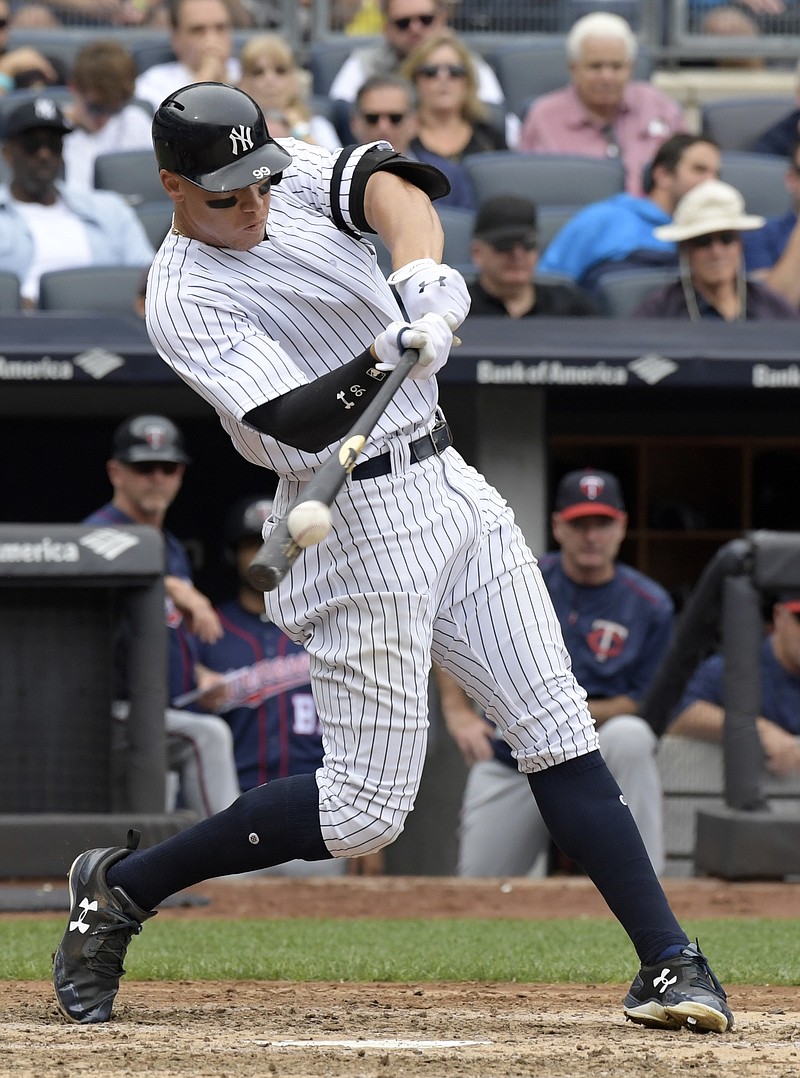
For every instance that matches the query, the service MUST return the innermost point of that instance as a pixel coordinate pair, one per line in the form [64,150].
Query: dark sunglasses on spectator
[4,21]
[705,241]
[372,118]
[150,467]
[33,141]
[430,71]
[509,245]
[97,108]
[406,21]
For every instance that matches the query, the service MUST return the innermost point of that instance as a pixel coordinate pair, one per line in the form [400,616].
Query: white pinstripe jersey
[244,327]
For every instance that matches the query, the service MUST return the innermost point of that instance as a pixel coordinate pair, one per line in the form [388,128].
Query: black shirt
[552,299]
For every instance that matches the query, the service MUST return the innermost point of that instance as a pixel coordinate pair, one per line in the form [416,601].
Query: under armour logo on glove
[439,280]
[426,287]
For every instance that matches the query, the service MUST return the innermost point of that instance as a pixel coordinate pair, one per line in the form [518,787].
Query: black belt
[429,444]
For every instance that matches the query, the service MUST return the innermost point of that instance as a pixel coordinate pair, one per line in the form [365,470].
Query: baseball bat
[279,553]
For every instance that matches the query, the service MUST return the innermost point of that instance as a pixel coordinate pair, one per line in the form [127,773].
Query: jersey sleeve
[705,684]
[330,181]
[198,329]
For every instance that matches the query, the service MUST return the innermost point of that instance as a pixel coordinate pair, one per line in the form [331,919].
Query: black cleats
[679,991]
[88,963]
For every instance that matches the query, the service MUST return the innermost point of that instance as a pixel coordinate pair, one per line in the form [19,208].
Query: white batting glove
[426,287]
[430,335]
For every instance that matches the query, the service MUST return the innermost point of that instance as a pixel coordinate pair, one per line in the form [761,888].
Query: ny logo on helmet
[241,139]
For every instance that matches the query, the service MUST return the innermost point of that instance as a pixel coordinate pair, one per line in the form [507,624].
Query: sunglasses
[725,238]
[406,21]
[454,71]
[509,245]
[372,118]
[33,141]
[3,22]
[150,467]
[97,108]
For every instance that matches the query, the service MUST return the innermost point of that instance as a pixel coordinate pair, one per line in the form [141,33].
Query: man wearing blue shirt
[701,711]
[617,233]
[772,254]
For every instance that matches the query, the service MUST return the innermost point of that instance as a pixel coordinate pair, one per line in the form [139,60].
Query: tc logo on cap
[155,436]
[591,486]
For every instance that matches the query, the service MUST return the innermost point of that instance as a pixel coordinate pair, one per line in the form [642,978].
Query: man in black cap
[504,248]
[617,625]
[46,225]
[146,469]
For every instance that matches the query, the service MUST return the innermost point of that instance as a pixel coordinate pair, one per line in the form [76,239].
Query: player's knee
[627,737]
[364,833]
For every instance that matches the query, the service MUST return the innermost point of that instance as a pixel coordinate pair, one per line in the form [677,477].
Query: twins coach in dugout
[268,301]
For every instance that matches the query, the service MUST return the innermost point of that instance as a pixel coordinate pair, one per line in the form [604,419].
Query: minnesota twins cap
[791,600]
[39,111]
[589,493]
[148,437]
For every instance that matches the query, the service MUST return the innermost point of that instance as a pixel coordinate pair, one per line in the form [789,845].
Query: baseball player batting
[266,298]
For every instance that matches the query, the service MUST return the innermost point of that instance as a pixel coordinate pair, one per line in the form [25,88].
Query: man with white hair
[602,113]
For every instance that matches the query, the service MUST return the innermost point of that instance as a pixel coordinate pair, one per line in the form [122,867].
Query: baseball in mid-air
[309,523]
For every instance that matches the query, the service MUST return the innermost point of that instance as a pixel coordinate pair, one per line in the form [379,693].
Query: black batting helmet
[245,521]
[216,136]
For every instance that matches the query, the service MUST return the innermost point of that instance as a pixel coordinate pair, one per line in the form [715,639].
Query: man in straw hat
[707,227]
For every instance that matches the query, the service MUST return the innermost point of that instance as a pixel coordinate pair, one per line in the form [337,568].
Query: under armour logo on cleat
[81,924]
[663,980]
[424,284]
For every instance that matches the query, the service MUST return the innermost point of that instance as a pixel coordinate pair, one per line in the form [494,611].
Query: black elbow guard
[310,417]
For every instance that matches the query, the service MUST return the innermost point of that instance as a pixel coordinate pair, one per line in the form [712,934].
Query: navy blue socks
[266,826]
[581,805]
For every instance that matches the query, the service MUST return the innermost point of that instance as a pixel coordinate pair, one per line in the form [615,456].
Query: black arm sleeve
[312,416]
[427,177]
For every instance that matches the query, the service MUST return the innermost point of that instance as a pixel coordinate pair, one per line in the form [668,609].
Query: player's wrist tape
[410,269]
[312,416]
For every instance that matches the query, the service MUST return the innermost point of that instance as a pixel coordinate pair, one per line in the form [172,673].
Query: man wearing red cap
[616,624]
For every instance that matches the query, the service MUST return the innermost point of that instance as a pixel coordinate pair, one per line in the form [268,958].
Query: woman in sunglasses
[451,120]
[271,76]
[707,227]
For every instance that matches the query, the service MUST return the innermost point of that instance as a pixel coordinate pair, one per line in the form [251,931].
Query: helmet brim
[255,167]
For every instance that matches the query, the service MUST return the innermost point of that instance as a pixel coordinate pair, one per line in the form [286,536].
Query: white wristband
[410,269]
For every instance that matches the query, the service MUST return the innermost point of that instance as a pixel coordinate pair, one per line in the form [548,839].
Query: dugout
[70,777]
[753,835]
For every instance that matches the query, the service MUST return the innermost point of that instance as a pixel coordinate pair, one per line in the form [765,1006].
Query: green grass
[588,951]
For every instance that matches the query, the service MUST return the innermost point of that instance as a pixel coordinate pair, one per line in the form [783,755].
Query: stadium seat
[325,57]
[620,293]
[131,173]
[761,178]
[549,179]
[10,299]
[112,289]
[734,123]
[156,218]
[549,221]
